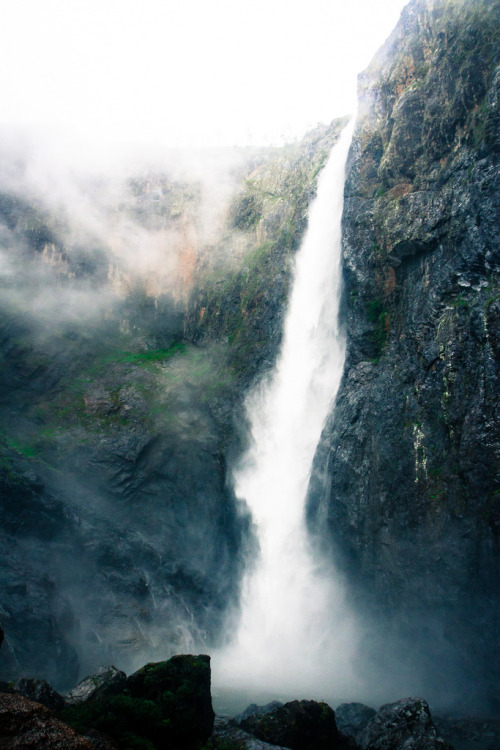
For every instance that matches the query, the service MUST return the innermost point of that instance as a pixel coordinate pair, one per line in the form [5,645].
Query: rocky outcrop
[164,705]
[352,718]
[39,691]
[121,387]
[241,288]
[106,681]
[406,491]
[227,735]
[299,725]
[404,725]
[181,687]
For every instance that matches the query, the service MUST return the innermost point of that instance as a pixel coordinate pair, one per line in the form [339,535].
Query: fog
[185,74]
[101,228]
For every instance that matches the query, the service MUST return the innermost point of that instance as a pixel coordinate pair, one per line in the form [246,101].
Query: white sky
[185,72]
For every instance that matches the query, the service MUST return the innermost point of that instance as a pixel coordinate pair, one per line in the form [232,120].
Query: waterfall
[295,633]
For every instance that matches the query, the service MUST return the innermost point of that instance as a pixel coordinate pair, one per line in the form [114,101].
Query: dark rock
[181,687]
[254,710]
[468,733]
[405,489]
[299,725]
[25,724]
[101,741]
[39,691]
[167,704]
[404,725]
[352,718]
[226,736]
[107,681]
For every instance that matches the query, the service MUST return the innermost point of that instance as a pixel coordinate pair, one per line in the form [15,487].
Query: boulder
[404,725]
[299,725]
[352,718]
[107,681]
[227,735]
[25,725]
[40,692]
[166,705]
[254,710]
[181,687]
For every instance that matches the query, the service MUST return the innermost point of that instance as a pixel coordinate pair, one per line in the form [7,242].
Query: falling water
[295,633]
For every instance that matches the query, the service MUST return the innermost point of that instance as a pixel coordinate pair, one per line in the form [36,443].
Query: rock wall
[120,403]
[405,491]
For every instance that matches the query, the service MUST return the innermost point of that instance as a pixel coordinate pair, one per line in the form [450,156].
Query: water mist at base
[295,635]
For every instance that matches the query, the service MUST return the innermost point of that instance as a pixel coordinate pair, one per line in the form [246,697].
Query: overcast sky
[185,72]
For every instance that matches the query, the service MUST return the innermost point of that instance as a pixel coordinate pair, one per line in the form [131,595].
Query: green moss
[375,310]
[129,721]
[27,450]
[150,358]
[379,317]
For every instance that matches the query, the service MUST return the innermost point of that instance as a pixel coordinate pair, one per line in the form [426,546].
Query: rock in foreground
[25,725]
[226,736]
[299,725]
[404,725]
[164,705]
[106,681]
[352,718]
[39,691]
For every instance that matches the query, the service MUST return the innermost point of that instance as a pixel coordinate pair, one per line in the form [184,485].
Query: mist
[198,75]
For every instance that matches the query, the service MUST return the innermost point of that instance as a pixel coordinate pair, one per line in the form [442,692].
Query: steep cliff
[128,336]
[405,488]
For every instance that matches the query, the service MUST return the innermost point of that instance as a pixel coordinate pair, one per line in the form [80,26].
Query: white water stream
[294,633]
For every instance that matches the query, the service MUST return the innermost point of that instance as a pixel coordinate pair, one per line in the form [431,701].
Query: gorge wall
[130,327]
[406,488]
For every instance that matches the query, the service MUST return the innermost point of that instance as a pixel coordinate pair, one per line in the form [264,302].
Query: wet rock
[469,733]
[227,735]
[254,710]
[25,725]
[107,681]
[352,718]
[167,704]
[40,692]
[181,687]
[404,725]
[299,725]
[405,490]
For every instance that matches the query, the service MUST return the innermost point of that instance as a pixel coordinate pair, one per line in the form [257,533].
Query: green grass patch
[150,357]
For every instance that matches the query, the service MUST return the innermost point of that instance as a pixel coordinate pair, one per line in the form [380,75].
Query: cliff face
[405,487]
[124,357]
